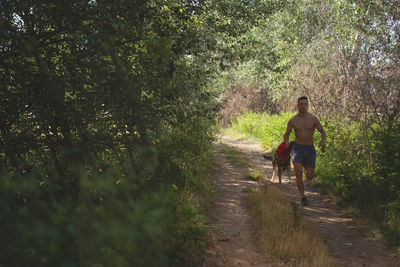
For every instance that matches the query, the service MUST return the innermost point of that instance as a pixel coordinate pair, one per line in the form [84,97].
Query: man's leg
[299,177]
[309,172]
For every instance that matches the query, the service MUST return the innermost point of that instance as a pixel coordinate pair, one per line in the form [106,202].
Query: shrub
[111,213]
[110,222]
[267,128]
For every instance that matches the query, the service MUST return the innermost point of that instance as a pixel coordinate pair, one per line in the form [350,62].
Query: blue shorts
[304,154]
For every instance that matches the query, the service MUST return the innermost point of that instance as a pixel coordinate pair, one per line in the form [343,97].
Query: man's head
[302,104]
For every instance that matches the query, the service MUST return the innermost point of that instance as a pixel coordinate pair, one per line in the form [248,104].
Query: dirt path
[234,235]
[235,238]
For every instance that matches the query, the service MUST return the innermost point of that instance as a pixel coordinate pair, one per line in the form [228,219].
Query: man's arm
[287,133]
[323,134]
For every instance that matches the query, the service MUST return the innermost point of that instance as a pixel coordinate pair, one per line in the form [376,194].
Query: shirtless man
[303,150]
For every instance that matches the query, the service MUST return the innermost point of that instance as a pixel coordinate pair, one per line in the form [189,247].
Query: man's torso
[304,127]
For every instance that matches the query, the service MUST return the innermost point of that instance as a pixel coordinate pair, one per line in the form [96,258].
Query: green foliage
[386,149]
[346,166]
[189,236]
[255,175]
[253,54]
[100,94]
[250,123]
[267,128]
[392,220]
[386,154]
[107,223]
[116,214]
[105,129]
[362,168]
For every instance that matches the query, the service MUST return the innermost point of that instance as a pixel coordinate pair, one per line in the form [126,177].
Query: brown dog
[282,164]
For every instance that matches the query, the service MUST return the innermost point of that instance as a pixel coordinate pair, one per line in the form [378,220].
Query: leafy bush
[113,216]
[392,220]
[359,165]
[267,128]
[386,158]
[104,133]
[110,222]
[345,165]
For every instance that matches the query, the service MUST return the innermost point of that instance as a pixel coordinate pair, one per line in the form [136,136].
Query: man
[303,151]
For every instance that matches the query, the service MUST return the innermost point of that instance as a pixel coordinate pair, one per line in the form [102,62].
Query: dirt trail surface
[234,236]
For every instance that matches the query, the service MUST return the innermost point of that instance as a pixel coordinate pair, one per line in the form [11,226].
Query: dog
[282,164]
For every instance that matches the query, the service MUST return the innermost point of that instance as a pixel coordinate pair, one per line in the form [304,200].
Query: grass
[235,134]
[284,234]
[267,129]
[232,133]
[255,175]
[239,160]
[235,157]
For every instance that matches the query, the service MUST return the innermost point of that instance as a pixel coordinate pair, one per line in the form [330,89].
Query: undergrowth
[255,175]
[112,213]
[269,129]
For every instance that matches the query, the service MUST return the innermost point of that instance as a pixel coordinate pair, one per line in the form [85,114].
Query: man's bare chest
[304,125]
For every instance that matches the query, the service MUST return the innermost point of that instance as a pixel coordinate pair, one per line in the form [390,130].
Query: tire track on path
[233,233]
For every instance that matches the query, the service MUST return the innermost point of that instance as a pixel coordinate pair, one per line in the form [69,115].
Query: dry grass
[284,234]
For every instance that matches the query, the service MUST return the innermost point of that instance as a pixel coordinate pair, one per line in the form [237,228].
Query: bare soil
[235,238]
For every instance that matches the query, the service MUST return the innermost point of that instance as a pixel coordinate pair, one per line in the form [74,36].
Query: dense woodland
[108,112]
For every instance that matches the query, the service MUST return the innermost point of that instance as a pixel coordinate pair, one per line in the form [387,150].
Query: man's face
[302,106]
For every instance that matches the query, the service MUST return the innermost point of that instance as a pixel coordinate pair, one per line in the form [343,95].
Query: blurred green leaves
[104,127]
